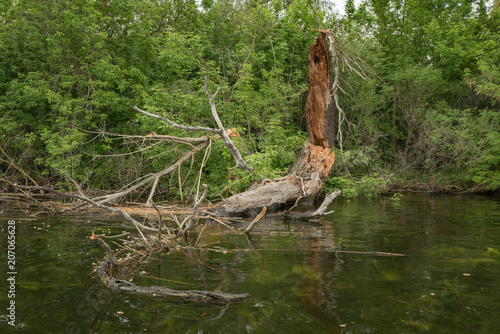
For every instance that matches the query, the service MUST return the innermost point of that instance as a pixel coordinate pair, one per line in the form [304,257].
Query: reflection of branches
[257,253]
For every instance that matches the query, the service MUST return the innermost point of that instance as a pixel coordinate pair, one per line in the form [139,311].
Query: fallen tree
[304,179]
[315,160]
[146,245]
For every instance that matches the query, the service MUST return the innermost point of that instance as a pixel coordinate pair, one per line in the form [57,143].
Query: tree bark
[305,178]
[319,96]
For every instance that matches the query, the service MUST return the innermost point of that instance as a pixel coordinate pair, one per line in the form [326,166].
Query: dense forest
[419,91]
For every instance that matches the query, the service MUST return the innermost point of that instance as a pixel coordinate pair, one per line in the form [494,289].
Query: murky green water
[303,277]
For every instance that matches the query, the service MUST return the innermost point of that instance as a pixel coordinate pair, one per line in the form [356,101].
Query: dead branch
[27,195]
[256,219]
[240,163]
[153,136]
[195,209]
[180,295]
[179,126]
[127,217]
[303,195]
[153,189]
[107,198]
[319,212]
[109,268]
[11,162]
[328,199]
[160,222]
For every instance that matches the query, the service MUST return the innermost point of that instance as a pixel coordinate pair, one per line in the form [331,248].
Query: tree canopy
[428,110]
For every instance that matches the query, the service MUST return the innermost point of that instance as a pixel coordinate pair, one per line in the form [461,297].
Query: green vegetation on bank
[427,116]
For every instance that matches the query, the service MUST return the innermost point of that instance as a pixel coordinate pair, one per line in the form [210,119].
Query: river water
[423,263]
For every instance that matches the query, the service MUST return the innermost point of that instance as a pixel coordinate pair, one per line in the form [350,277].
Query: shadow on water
[304,277]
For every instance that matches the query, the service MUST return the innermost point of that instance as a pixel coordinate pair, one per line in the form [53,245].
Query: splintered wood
[319,96]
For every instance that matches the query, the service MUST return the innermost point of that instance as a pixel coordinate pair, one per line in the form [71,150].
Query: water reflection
[304,277]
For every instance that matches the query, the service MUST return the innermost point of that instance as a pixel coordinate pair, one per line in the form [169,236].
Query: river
[421,263]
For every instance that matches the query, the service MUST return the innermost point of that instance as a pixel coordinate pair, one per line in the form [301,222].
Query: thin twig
[199,235]
[195,208]
[153,189]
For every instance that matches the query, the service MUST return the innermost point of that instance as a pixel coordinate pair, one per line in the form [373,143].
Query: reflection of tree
[102,311]
[314,294]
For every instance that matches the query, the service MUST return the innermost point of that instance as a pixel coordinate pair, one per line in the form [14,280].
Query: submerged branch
[328,199]
[109,269]
[124,214]
[321,211]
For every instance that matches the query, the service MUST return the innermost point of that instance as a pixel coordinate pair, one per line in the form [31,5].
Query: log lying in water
[161,291]
[109,268]
[304,179]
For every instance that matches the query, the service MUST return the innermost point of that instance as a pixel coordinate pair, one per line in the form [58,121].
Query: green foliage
[368,186]
[70,70]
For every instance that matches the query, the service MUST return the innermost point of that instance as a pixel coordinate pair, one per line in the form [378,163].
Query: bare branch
[195,208]
[153,189]
[152,136]
[107,198]
[125,215]
[109,268]
[328,199]
[240,163]
[256,219]
[175,125]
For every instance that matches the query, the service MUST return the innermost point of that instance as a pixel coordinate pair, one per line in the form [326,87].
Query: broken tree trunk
[315,161]
[321,129]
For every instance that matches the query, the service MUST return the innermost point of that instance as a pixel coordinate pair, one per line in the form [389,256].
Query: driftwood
[109,268]
[124,214]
